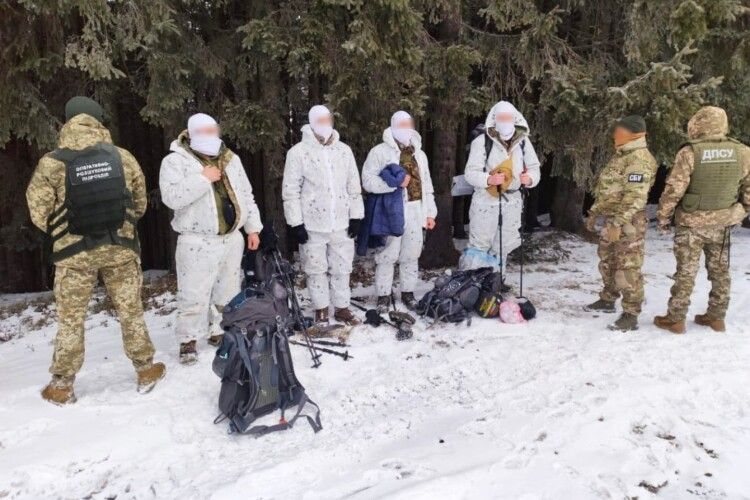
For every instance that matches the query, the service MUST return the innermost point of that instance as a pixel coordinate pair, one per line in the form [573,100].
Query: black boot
[188,353]
[625,323]
[407,298]
[600,306]
[384,303]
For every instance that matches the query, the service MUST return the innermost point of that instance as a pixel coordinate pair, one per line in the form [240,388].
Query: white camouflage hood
[520,120]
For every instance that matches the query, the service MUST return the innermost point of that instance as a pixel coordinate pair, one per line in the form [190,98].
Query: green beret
[83,105]
[634,123]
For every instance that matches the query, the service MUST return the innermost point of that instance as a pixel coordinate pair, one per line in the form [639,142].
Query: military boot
[60,391]
[384,303]
[714,324]
[321,316]
[345,315]
[407,298]
[188,353]
[667,323]
[215,340]
[625,323]
[600,305]
[148,377]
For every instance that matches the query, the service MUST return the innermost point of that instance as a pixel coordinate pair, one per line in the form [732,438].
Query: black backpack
[454,296]
[255,364]
[96,200]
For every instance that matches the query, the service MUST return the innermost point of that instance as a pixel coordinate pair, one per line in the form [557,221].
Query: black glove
[300,233]
[354,227]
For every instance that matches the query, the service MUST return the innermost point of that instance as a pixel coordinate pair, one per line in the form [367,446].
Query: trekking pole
[524,193]
[344,355]
[296,309]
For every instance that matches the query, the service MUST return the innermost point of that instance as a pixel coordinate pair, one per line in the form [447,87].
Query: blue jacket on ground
[384,213]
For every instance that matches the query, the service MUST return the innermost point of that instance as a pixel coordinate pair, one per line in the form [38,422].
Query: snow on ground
[558,408]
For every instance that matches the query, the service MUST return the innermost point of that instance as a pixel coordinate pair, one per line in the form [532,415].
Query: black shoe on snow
[504,288]
[215,340]
[407,298]
[384,303]
[188,353]
[600,306]
[625,323]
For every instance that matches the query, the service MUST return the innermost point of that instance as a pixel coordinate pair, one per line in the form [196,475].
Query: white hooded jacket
[186,190]
[321,186]
[388,152]
[478,167]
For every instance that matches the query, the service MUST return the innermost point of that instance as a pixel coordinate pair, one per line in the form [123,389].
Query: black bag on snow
[255,364]
[454,296]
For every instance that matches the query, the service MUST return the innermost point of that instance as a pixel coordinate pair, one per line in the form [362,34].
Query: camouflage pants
[620,265]
[73,287]
[689,244]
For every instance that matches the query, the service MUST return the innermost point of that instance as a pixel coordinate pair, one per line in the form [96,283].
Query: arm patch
[635,178]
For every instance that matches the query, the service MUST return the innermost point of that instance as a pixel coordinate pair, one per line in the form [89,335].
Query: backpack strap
[488,145]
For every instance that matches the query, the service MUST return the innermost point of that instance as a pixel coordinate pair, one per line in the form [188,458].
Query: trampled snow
[557,408]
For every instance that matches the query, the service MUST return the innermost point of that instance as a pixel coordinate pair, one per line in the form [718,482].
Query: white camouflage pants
[484,235]
[324,255]
[405,250]
[209,274]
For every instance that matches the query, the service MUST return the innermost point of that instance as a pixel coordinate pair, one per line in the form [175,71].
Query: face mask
[323,131]
[208,145]
[402,135]
[505,129]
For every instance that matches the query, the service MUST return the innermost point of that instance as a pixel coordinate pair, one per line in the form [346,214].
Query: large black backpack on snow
[454,296]
[96,200]
[255,364]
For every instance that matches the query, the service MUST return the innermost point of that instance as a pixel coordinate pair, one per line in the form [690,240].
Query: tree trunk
[439,250]
[567,206]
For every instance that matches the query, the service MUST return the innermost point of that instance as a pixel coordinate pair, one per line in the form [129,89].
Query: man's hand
[353,229]
[407,179]
[213,174]
[611,233]
[430,224]
[253,241]
[300,233]
[495,179]
[526,179]
[591,222]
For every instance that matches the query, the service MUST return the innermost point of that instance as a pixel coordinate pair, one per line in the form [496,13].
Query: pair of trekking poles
[524,194]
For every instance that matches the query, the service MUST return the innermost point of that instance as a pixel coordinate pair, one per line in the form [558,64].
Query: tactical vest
[717,173]
[96,201]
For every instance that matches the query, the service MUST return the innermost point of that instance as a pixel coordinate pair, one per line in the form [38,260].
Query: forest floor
[556,408]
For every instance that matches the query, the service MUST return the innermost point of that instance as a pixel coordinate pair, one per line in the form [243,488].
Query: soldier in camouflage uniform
[80,259]
[708,192]
[620,197]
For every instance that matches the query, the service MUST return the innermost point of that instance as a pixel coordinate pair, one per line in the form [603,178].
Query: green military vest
[717,173]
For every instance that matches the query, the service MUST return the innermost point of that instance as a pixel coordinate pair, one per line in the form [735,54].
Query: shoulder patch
[635,178]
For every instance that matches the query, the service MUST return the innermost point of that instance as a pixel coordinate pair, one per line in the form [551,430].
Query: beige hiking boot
[666,323]
[148,377]
[60,391]
[346,316]
[714,324]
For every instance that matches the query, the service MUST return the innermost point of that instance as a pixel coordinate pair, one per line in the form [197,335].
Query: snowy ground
[558,408]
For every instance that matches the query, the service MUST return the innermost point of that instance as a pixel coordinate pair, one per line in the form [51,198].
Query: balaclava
[506,129]
[402,135]
[207,144]
[322,131]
